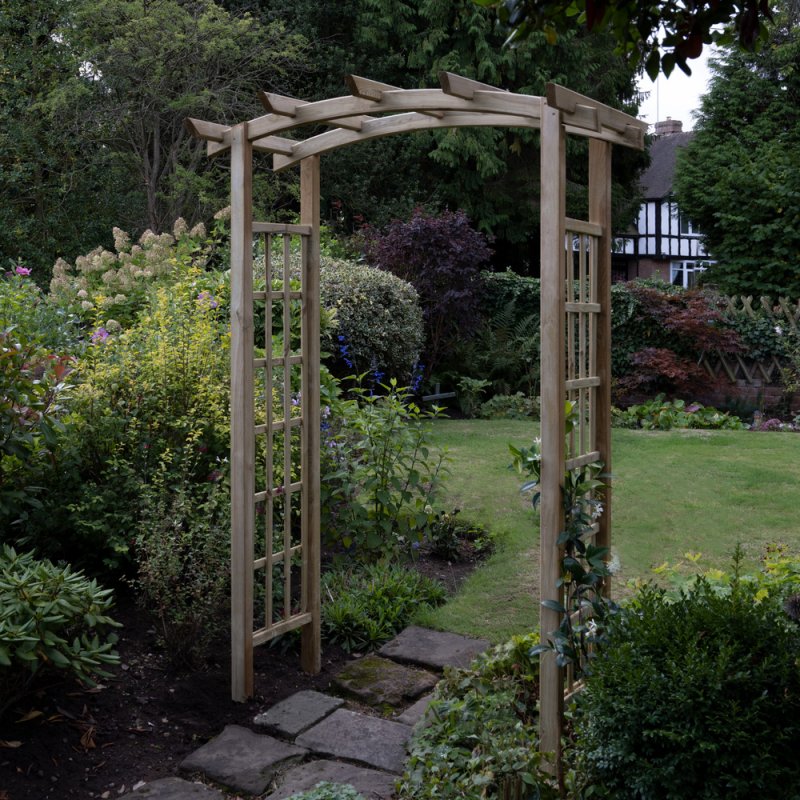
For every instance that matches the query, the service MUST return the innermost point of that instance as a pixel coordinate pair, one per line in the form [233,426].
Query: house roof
[656,180]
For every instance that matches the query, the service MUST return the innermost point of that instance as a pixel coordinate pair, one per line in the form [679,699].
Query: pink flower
[20,270]
[100,335]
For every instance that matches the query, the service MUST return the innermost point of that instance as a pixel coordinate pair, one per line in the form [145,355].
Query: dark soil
[68,741]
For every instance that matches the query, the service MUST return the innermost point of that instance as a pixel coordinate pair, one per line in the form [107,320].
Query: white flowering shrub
[106,289]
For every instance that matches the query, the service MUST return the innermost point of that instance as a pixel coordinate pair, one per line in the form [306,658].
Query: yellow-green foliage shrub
[154,394]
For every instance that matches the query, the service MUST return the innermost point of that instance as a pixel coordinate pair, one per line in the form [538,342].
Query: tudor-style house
[663,243]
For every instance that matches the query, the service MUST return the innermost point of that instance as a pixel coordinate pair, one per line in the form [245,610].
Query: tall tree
[491,174]
[55,202]
[739,179]
[146,66]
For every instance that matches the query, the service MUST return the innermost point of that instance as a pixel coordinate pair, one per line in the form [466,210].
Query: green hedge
[378,320]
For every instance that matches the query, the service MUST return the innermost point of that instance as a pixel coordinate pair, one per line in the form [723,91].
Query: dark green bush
[378,320]
[362,609]
[697,697]
[183,560]
[51,618]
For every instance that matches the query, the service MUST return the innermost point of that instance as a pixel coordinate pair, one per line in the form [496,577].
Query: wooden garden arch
[575,330]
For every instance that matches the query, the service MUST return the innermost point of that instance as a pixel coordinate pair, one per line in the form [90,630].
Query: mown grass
[674,492]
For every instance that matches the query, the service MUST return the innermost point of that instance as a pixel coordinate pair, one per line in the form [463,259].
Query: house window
[685,225]
[685,273]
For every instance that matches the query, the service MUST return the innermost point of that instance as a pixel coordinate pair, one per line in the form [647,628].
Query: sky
[676,96]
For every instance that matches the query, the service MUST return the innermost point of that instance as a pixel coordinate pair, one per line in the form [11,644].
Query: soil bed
[68,741]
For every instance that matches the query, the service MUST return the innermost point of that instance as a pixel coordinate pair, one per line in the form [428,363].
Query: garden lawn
[675,492]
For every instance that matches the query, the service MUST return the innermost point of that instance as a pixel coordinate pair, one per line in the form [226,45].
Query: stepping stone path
[305,732]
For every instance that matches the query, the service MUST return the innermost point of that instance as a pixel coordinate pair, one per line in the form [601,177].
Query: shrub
[183,559]
[510,406]
[31,392]
[667,329]
[664,415]
[105,285]
[42,324]
[154,393]
[362,609]
[380,475]
[693,697]
[504,351]
[480,735]
[51,618]
[469,395]
[378,320]
[442,257]
[447,536]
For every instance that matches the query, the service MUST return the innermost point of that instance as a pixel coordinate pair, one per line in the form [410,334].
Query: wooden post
[310,652]
[553,183]
[600,213]
[242,416]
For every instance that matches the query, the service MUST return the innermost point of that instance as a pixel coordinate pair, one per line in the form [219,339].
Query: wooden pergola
[575,336]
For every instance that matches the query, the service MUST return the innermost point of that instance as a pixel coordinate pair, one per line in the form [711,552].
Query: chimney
[668,126]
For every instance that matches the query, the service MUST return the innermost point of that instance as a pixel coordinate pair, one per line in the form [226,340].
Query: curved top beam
[394,101]
[387,126]
[460,102]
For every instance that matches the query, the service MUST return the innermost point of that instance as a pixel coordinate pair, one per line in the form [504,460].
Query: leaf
[32,714]
[10,744]
[554,605]
[87,740]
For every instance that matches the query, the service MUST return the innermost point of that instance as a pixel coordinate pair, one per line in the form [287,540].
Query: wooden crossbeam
[274,144]
[464,88]
[583,112]
[368,89]
[287,107]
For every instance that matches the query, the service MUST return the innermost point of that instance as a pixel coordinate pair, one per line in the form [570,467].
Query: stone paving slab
[298,713]
[174,789]
[378,681]
[433,649]
[242,760]
[413,715]
[373,785]
[375,742]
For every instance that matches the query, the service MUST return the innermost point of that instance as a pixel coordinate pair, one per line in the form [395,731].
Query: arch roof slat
[367,89]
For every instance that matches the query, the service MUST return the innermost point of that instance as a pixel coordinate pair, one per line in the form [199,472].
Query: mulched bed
[71,742]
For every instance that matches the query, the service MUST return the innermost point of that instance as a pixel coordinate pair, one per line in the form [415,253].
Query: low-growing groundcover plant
[51,618]
[481,733]
[664,415]
[325,790]
[364,608]
[693,697]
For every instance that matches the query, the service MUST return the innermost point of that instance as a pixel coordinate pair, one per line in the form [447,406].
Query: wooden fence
[740,369]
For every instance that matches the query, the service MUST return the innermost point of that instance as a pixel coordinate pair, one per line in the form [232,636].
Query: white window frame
[685,273]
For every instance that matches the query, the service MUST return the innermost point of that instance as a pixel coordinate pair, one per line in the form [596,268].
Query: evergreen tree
[739,179]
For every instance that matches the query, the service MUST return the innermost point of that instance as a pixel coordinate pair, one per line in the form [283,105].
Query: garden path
[312,737]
